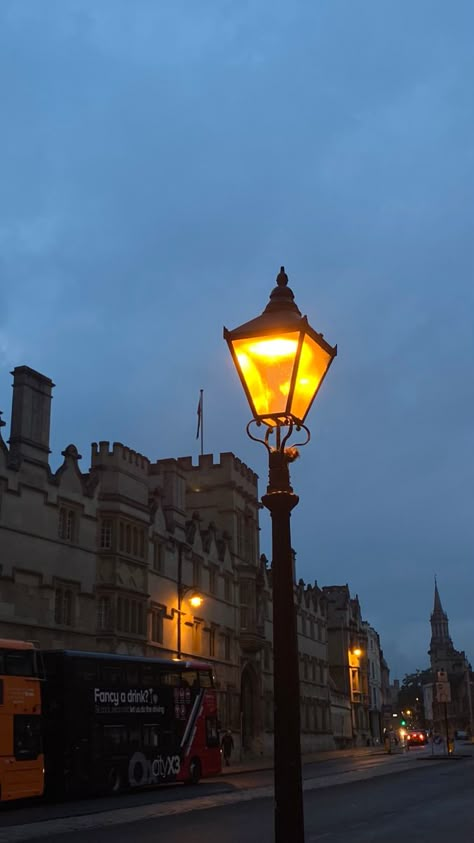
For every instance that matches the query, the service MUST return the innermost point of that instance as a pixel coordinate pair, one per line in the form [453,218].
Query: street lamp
[282,362]
[195,600]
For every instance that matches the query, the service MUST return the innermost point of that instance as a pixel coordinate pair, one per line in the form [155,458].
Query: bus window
[212,732]
[2,663]
[171,679]
[134,737]
[26,737]
[111,674]
[205,679]
[20,663]
[189,679]
[115,738]
[85,670]
[131,675]
[150,675]
[151,735]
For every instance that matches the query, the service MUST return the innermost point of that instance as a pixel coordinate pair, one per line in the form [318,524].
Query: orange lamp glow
[195,601]
[357,652]
[280,359]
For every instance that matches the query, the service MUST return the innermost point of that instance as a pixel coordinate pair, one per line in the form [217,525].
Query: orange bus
[21,754]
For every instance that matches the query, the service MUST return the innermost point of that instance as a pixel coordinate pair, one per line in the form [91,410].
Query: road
[365,800]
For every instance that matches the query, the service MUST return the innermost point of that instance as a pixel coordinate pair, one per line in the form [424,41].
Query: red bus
[112,722]
[21,758]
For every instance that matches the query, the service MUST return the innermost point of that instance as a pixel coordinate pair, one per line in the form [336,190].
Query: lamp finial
[282,277]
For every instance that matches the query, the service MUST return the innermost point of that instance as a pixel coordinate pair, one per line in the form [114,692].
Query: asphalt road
[401,802]
[16,813]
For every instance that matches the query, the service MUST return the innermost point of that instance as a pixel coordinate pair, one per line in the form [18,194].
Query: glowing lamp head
[280,359]
[357,651]
[195,601]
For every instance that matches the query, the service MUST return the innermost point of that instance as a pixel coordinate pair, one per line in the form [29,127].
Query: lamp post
[195,599]
[282,362]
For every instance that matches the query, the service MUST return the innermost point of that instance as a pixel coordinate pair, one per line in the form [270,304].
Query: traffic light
[403,722]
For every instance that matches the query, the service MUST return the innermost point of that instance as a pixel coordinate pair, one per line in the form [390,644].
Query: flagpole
[202,422]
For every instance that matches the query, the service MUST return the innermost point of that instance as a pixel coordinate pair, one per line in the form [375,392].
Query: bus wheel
[194,771]
[114,780]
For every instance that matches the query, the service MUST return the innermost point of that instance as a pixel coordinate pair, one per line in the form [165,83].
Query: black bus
[113,722]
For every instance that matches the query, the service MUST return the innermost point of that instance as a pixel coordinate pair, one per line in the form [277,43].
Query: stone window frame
[157,616]
[106,532]
[158,561]
[104,612]
[213,580]
[228,587]
[65,596]
[68,522]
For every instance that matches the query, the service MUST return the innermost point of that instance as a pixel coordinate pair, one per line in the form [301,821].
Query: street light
[282,362]
[195,600]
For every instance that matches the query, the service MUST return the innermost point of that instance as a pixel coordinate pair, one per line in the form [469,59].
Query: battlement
[119,457]
[228,465]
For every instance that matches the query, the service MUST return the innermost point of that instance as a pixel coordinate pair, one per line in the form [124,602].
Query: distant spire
[437,608]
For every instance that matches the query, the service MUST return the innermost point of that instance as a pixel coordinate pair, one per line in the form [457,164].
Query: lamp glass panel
[312,367]
[266,365]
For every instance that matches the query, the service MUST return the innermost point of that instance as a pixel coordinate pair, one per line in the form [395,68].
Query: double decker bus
[112,722]
[21,757]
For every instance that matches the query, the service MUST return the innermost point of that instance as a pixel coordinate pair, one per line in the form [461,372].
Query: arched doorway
[248,706]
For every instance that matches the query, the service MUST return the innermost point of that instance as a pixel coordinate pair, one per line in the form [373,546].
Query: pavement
[266,763]
[258,765]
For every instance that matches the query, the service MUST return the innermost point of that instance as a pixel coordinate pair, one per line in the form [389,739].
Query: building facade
[348,658]
[106,559]
[446,661]
[375,689]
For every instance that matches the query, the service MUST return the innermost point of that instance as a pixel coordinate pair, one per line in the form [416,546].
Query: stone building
[374,674]
[454,663]
[106,559]
[348,658]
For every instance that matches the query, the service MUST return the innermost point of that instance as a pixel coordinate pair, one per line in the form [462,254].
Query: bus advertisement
[112,722]
[21,757]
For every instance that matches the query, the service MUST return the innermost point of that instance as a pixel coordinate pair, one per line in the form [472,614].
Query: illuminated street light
[281,362]
[195,600]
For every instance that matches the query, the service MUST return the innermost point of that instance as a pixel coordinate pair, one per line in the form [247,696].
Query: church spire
[440,637]
[437,608]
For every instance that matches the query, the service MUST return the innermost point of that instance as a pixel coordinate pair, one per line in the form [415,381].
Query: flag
[199,415]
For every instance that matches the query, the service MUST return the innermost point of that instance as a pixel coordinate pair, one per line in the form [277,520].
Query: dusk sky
[160,159]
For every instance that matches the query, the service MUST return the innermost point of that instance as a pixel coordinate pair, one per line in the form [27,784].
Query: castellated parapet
[119,458]
[228,469]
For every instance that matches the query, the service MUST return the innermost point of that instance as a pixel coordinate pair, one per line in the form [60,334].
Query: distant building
[348,657]
[91,560]
[374,673]
[454,663]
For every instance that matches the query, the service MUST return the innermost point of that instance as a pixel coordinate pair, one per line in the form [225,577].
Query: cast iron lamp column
[195,600]
[282,362]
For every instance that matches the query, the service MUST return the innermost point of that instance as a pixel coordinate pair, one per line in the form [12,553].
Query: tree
[410,696]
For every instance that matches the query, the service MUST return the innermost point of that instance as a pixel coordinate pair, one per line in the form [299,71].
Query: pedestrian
[227,745]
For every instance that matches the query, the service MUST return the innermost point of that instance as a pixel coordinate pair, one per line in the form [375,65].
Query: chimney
[31,415]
